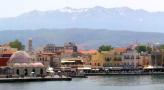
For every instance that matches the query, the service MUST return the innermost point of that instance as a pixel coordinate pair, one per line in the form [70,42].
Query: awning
[84,68]
[67,61]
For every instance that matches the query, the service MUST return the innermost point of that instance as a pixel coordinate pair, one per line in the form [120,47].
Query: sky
[11,8]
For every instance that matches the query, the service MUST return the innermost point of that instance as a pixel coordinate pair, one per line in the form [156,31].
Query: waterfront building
[98,59]
[131,58]
[5,54]
[147,60]
[51,54]
[49,59]
[72,62]
[86,55]
[23,65]
[86,58]
[162,57]
[157,59]
[117,59]
[73,66]
[157,55]
[107,58]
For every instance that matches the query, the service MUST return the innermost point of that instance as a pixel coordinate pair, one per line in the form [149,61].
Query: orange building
[5,54]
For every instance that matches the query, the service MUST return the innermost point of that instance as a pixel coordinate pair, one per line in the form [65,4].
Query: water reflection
[146,82]
[128,80]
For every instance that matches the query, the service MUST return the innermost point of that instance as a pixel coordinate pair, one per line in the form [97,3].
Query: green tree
[17,44]
[143,48]
[161,47]
[105,48]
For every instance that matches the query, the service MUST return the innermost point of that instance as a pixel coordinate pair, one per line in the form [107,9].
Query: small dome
[20,57]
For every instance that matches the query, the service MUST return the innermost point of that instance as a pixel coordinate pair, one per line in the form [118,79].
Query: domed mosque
[24,65]
[20,57]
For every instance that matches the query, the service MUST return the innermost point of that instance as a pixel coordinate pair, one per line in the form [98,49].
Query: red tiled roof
[88,51]
[120,49]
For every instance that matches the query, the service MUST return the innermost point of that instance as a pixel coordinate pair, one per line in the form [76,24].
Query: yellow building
[86,55]
[107,58]
[146,59]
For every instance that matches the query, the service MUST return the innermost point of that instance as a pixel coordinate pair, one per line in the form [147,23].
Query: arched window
[17,71]
[33,70]
[98,64]
[41,71]
[132,57]
[25,72]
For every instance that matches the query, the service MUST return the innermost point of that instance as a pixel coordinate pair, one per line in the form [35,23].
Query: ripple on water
[128,80]
[146,82]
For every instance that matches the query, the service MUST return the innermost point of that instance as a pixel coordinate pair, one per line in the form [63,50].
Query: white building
[131,59]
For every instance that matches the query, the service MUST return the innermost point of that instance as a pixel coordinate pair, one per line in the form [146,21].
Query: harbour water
[145,82]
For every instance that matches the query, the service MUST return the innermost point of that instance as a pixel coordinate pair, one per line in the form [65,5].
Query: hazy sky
[10,8]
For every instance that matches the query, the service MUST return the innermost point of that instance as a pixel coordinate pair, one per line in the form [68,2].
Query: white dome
[20,57]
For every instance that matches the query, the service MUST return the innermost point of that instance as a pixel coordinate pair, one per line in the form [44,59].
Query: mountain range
[122,18]
[84,38]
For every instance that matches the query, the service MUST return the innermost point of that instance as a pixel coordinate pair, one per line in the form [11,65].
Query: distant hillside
[85,38]
[97,18]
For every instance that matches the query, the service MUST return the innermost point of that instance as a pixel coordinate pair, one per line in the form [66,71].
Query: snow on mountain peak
[72,10]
